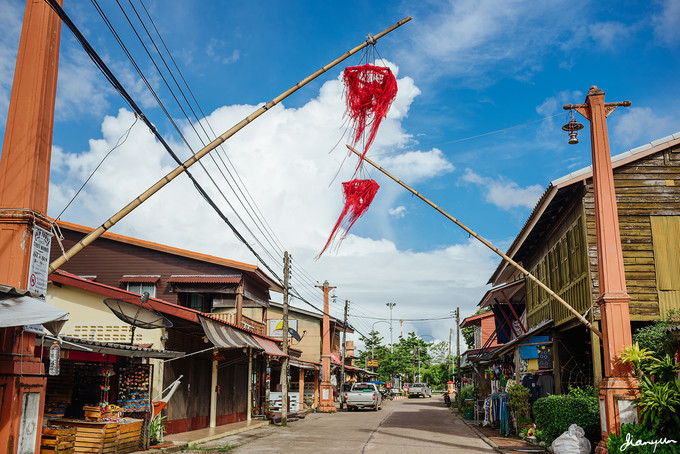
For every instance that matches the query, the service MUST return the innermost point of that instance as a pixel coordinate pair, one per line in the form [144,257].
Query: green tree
[439,352]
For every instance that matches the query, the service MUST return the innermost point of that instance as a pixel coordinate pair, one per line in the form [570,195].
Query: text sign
[39,261]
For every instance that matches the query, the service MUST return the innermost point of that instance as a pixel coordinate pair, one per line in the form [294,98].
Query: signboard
[39,261]
[37,268]
[372,362]
[276,327]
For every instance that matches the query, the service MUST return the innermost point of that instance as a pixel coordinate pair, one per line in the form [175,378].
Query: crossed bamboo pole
[486,243]
[87,240]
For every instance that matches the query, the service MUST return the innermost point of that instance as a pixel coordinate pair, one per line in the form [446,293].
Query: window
[141,288]
[196,301]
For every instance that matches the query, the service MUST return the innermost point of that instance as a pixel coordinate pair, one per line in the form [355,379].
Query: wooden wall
[647,187]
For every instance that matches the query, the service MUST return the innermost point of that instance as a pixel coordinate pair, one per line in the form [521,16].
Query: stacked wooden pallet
[57,440]
[93,437]
[129,431]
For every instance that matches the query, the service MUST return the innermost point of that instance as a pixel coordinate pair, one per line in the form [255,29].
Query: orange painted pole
[618,386]
[24,185]
[327,403]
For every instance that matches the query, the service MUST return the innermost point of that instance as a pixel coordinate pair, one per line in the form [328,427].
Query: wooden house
[204,296]
[558,245]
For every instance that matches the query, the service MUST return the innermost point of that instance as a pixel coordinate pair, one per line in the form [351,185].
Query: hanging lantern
[358,197]
[572,128]
[369,92]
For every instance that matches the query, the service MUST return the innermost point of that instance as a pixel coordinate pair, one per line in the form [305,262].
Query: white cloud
[415,166]
[610,35]
[635,125]
[286,162]
[398,212]
[667,22]
[471,39]
[506,195]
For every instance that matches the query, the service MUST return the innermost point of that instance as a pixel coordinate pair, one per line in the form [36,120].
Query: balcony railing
[246,322]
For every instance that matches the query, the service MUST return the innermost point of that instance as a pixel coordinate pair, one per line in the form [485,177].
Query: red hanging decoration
[358,196]
[370,91]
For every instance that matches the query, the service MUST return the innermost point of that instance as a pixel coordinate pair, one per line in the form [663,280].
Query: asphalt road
[403,426]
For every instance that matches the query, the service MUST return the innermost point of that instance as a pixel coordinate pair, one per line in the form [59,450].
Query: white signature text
[630,442]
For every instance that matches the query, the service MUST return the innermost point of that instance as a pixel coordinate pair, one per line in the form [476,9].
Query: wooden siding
[110,260]
[645,188]
[666,242]
[563,269]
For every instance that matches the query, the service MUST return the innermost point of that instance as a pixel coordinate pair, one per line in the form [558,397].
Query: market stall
[98,397]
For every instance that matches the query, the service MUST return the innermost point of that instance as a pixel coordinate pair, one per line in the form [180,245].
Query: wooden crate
[129,432]
[93,437]
[57,440]
[92,413]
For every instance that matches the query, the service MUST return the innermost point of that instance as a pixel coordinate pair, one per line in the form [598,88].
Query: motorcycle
[447,400]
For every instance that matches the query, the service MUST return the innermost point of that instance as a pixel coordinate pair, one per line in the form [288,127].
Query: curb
[183,445]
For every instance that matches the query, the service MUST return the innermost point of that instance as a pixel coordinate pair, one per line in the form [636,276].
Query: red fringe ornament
[370,91]
[358,197]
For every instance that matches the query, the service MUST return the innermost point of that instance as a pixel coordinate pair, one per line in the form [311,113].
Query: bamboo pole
[486,243]
[87,240]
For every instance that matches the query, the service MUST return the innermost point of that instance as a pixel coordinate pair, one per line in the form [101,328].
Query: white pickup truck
[419,389]
[363,395]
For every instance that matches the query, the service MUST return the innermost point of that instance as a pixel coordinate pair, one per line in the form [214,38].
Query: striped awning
[269,346]
[225,336]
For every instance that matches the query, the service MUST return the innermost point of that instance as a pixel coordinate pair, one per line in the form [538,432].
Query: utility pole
[449,358]
[24,187]
[327,404]
[344,352]
[459,381]
[618,386]
[284,337]
[391,305]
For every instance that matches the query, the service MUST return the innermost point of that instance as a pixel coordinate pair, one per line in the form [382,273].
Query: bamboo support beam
[486,243]
[87,240]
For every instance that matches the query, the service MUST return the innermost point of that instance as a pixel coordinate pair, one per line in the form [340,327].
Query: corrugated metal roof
[205,279]
[73,343]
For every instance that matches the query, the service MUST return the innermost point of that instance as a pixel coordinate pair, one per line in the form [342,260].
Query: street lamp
[373,345]
[618,386]
[391,305]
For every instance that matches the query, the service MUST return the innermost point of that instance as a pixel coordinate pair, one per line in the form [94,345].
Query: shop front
[99,395]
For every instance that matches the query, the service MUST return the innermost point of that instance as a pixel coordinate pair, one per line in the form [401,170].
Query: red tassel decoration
[370,91]
[358,196]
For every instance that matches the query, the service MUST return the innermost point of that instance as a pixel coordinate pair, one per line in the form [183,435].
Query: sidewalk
[505,445]
[180,441]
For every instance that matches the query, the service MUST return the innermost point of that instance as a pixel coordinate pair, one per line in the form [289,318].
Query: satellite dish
[294,334]
[137,315]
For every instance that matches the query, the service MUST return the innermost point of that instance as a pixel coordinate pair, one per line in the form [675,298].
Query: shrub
[656,337]
[554,415]
[518,401]
[631,433]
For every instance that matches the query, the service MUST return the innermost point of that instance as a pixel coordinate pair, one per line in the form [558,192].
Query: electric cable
[102,66]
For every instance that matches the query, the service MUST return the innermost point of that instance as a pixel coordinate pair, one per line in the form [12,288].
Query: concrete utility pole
[458,382]
[618,386]
[391,305]
[24,187]
[344,352]
[327,404]
[284,337]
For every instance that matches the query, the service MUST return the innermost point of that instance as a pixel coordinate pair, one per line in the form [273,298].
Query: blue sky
[465,69]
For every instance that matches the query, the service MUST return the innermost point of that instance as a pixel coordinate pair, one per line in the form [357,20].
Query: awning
[225,336]
[109,348]
[508,290]
[303,364]
[335,358]
[269,346]
[18,309]
[204,279]
[515,342]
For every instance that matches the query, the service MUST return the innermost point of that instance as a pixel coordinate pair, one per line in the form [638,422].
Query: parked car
[419,390]
[364,395]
